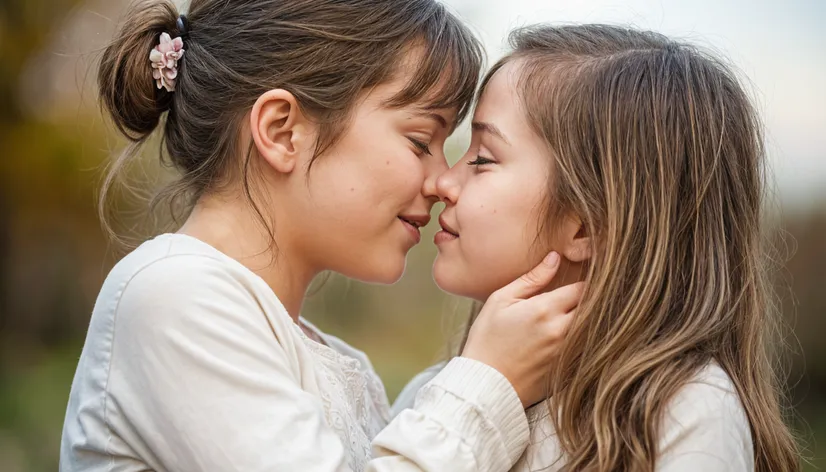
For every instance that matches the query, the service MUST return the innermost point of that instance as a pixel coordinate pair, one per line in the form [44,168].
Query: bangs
[446,68]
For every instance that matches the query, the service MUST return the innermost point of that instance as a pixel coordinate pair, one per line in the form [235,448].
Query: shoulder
[172,309]
[706,421]
[177,283]
[710,394]
[179,265]
[175,270]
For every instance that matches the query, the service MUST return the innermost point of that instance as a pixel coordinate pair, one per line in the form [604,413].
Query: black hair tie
[183,25]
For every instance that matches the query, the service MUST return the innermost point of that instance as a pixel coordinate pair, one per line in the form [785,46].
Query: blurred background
[54,256]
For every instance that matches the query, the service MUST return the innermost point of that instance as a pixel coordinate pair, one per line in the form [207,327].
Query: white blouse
[191,363]
[705,428]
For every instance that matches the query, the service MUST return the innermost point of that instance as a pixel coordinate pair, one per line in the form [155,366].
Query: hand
[519,333]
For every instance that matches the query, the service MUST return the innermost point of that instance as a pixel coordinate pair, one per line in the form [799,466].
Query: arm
[206,384]
[495,339]
[468,418]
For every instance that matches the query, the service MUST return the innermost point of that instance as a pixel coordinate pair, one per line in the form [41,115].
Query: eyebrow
[489,128]
[439,119]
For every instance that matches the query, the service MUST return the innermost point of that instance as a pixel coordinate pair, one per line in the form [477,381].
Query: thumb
[533,282]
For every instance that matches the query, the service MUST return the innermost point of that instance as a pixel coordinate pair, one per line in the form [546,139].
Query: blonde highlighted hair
[658,149]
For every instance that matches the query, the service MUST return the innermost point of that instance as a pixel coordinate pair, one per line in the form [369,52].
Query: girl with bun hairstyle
[308,136]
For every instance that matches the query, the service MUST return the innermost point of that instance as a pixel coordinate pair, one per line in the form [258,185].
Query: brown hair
[325,52]
[658,150]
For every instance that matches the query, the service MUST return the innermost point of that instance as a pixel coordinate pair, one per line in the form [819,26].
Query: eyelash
[420,146]
[480,161]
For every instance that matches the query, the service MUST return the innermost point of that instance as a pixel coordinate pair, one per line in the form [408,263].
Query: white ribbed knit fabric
[704,429]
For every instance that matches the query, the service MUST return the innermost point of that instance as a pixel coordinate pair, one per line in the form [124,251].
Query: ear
[279,129]
[576,243]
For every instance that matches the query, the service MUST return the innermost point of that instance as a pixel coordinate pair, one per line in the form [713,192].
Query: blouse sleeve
[468,418]
[200,381]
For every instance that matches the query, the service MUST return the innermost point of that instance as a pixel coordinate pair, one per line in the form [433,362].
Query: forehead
[500,104]
[381,97]
[416,85]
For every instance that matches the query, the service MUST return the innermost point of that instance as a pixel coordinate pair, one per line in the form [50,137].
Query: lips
[412,223]
[446,235]
[446,227]
[417,221]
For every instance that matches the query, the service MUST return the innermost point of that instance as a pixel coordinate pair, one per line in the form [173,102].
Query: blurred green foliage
[53,258]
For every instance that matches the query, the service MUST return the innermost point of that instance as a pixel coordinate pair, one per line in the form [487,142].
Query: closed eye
[422,147]
[480,161]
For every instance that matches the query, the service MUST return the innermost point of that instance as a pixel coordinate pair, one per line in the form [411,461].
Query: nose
[435,166]
[448,185]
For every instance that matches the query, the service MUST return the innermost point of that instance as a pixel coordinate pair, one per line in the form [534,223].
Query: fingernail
[552,259]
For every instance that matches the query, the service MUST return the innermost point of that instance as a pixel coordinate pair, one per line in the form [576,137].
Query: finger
[559,325]
[555,330]
[560,300]
[533,282]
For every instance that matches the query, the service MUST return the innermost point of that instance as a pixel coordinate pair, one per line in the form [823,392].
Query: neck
[231,226]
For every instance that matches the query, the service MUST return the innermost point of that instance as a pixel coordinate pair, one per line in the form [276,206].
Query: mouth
[447,229]
[416,221]
[412,223]
[446,235]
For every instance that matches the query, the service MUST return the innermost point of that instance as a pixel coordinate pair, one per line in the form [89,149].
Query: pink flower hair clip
[164,58]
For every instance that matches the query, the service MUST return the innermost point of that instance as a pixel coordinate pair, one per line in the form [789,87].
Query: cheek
[497,243]
[400,179]
[371,183]
[384,173]
[499,249]
[349,220]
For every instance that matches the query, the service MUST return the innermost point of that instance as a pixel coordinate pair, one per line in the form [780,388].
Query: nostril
[445,189]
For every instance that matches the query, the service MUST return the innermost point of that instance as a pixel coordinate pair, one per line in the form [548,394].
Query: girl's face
[359,209]
[494,197]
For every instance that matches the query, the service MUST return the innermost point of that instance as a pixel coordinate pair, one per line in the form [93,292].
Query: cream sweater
[705,428]
[191,363]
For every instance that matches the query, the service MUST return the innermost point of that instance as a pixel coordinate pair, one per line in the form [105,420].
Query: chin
[452,279]
[388,277]
[458,279]
[385,270]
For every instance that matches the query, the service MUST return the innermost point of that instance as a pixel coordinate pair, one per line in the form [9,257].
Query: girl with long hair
[640,160]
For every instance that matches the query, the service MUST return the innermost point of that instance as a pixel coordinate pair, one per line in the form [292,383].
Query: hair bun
[183,25]
[125,82]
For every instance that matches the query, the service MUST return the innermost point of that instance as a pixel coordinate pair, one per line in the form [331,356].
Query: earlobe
[278,129]
[577,244]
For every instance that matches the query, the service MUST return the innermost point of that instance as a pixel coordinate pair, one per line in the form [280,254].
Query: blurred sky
[779,45]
